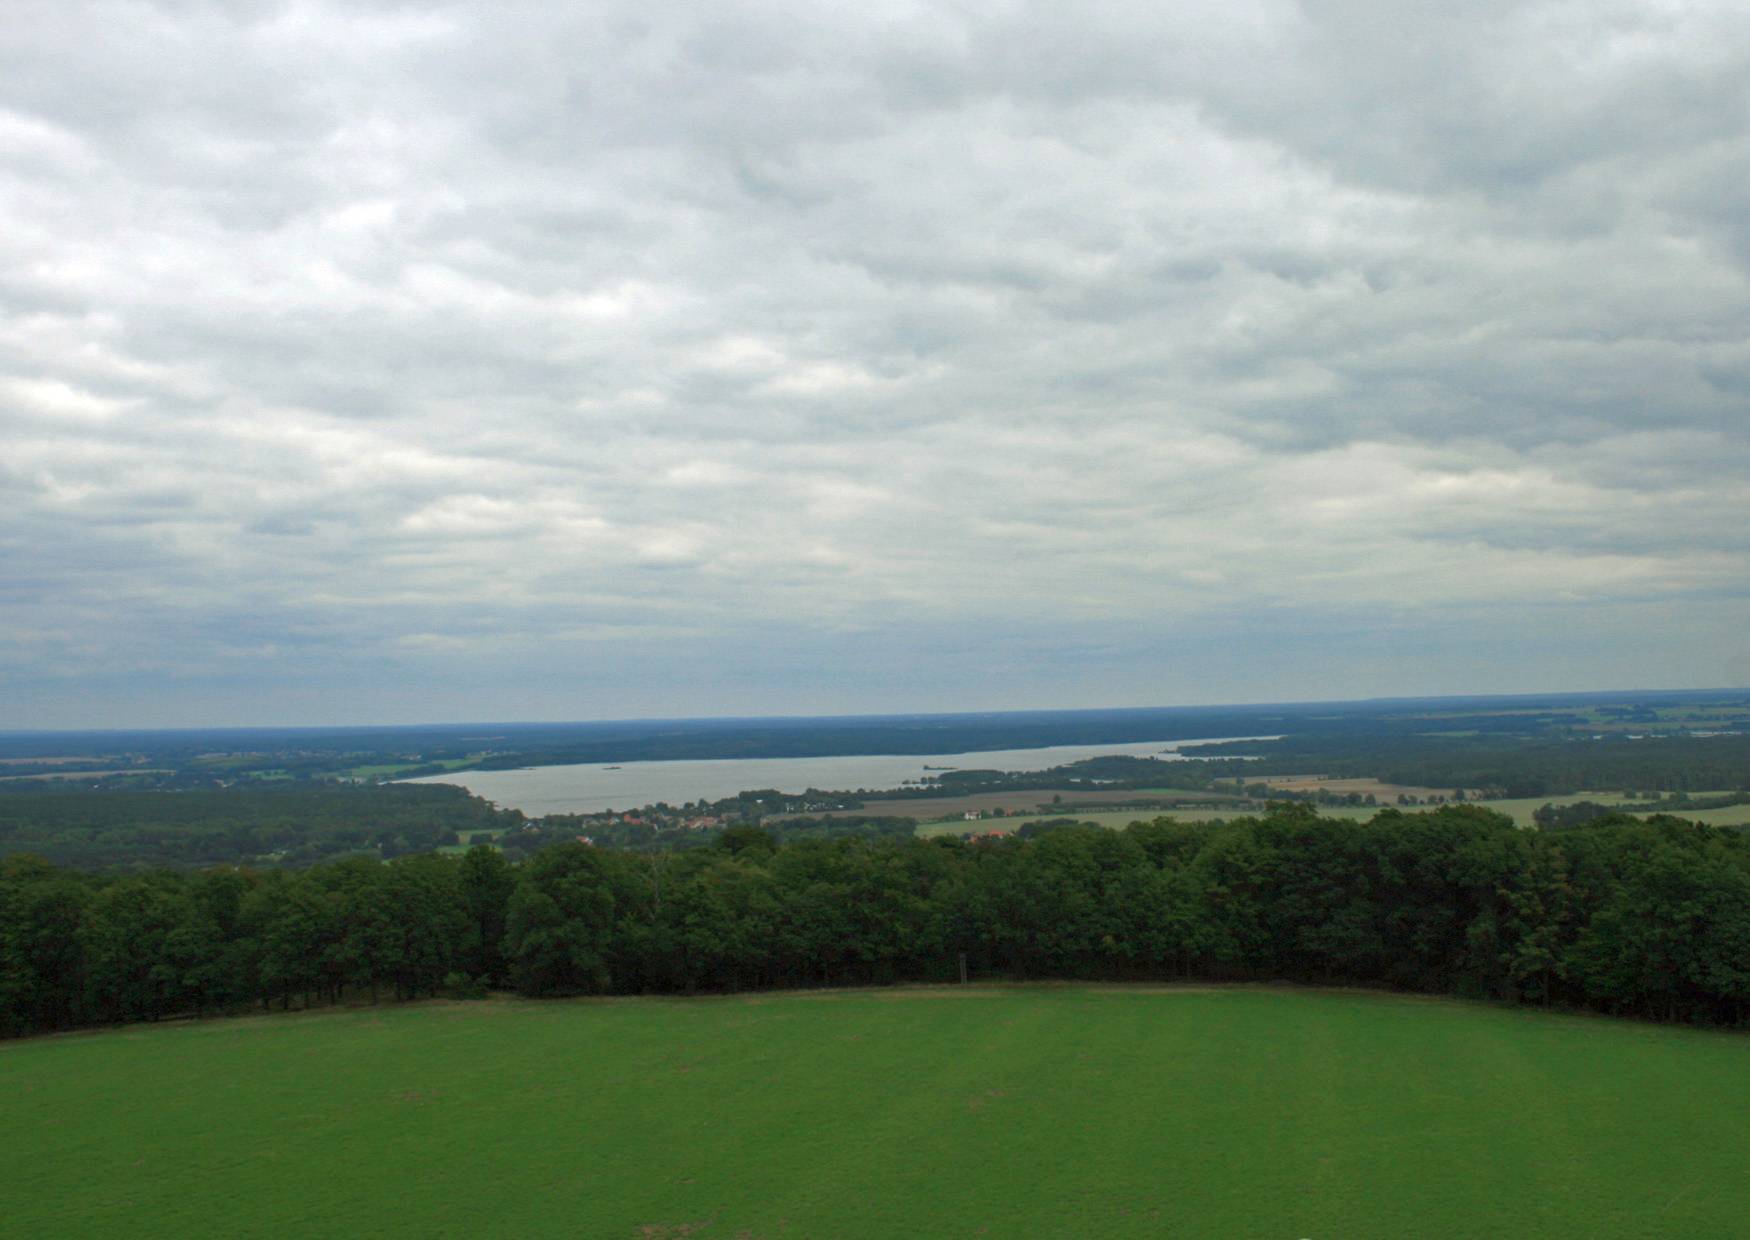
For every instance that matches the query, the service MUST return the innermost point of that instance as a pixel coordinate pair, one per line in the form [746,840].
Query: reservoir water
[590,788]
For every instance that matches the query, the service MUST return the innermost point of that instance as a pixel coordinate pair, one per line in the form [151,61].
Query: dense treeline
[1650,918]
[644,836]
[189,758]
[1508,767]
[895,734]
[1107,773]
[281,824]
[240,752]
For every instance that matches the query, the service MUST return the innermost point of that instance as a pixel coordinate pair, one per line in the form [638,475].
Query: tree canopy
[1650,918]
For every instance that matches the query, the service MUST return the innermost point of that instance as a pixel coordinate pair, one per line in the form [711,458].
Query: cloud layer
[434,361]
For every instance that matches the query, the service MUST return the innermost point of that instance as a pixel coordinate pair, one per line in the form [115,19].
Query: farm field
[1035,1111]
[1117,819]
[1387,794]
[1519,810]
[389,770]
[1024,800]
[74,776]
[1729,816]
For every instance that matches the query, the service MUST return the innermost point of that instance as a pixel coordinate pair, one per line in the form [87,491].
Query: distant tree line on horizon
[1649,918]
[1412,729]
[296,822]
[1508,767]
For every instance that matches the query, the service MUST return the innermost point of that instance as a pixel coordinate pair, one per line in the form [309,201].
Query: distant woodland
[1440,741]
[1649,918]
[277,823]
[1512,766]
[258,824]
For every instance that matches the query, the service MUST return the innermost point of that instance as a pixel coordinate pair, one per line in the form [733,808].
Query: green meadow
[372,770]
[1002,1111]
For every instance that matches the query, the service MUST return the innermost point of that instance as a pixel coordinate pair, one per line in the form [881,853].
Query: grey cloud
[404,338]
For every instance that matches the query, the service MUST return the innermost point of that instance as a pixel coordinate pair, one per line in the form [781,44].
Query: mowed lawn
[987,1111]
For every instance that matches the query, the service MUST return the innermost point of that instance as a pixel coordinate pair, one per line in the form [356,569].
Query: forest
[1649,918]
[1508,766]
[286,823]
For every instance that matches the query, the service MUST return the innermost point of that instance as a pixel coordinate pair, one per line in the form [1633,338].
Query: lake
[589,788]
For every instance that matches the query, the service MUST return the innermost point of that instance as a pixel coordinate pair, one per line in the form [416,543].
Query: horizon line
[884,715]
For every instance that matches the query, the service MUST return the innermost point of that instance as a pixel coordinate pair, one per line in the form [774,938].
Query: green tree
[559,923]
[42,957]
[486,882]
[429,921]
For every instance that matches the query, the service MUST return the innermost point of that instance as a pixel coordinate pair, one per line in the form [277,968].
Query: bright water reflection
[588,788]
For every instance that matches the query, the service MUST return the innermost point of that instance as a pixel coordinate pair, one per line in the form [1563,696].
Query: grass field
[372,770]
[985,1111]
[467,838]
[1521,809]
[1729,816]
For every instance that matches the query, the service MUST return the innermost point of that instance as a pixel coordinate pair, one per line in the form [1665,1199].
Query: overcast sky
[408,362]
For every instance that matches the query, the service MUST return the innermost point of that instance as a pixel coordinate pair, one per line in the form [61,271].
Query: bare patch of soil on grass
[979,1101]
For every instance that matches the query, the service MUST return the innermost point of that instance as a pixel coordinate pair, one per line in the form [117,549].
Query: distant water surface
[590,787]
